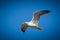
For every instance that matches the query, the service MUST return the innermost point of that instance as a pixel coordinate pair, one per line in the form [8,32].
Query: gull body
[31,24]
[34,22]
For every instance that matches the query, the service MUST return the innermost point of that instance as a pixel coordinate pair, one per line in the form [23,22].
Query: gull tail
[39,28]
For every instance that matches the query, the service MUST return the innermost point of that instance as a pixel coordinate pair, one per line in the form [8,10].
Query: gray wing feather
[38,14]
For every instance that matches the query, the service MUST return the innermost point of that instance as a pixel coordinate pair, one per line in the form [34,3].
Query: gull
[35,20]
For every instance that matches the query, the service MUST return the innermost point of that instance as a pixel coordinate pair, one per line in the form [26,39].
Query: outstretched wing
[24,26]
[37,15]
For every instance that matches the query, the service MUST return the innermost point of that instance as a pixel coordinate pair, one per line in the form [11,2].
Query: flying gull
[34,22]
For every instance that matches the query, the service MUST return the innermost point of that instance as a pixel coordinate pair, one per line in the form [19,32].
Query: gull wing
[24,26]
[37,15]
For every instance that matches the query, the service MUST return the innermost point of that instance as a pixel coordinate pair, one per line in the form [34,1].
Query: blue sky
[14,13]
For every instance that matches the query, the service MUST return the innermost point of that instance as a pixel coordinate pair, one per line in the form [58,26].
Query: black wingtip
[47,11]
[23,30]
[24,26]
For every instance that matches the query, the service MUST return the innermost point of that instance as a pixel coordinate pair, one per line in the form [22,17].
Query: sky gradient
[14,13]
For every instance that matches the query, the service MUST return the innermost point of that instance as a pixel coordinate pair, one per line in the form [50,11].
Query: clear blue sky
[14,13]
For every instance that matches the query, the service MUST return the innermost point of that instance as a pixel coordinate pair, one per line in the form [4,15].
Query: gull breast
[31,24]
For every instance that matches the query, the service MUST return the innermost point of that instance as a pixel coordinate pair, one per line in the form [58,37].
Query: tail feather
[39,28]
